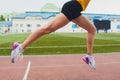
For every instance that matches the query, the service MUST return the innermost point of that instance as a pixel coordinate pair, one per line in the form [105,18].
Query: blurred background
[19,18]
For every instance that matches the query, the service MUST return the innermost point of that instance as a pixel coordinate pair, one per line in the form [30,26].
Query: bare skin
[60,21]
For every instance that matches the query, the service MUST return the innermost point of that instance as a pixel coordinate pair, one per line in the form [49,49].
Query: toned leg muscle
[83,22]
[57,23]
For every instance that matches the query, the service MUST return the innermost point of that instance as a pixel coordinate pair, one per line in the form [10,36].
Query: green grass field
[62,43]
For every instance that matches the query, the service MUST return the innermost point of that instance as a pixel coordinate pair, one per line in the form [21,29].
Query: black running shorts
[71,9]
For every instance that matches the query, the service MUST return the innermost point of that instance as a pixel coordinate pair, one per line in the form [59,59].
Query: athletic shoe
[90,61]
[16,52]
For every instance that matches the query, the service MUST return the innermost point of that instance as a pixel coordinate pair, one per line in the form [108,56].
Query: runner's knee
[92,30]
[48,29]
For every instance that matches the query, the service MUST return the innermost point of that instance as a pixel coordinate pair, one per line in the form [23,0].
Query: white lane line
[73,46]
[27,71]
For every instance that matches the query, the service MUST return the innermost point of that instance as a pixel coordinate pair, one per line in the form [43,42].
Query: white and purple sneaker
[16,52]
[90,61]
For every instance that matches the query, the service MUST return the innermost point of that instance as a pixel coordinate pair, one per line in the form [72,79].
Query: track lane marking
[27,71]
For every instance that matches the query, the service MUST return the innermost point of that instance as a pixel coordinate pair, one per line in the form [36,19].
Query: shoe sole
[12,60]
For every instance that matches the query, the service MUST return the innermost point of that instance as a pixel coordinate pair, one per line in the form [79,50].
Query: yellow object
[84,3]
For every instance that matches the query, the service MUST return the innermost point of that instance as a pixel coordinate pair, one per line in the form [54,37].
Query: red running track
[61,67]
